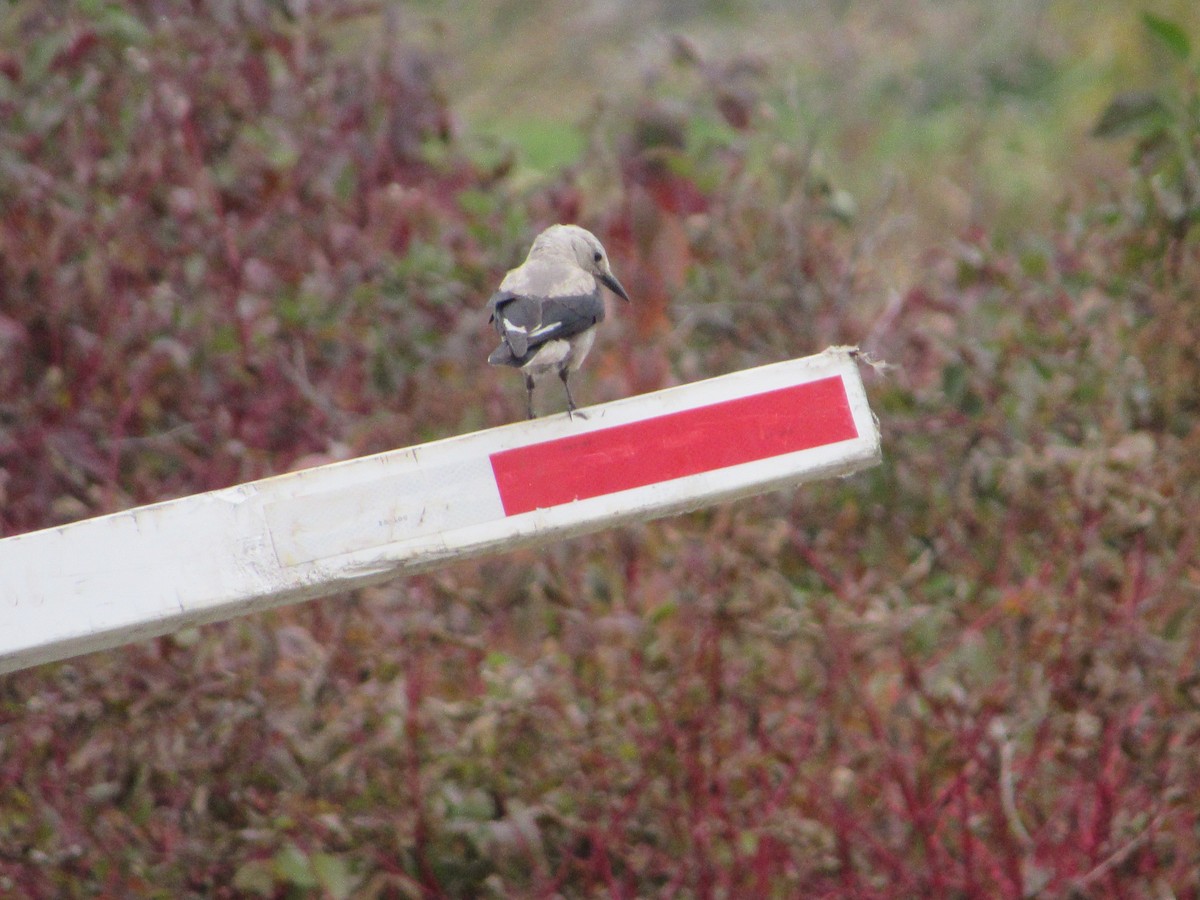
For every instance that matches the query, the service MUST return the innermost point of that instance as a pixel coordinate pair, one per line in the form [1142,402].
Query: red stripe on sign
[675,445]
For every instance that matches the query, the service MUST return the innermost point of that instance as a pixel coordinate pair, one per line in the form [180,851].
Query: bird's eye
[598,256]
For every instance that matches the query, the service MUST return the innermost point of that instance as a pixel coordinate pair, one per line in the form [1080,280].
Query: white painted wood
[148,571]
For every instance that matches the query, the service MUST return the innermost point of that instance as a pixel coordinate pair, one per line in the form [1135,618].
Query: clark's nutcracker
[547,309]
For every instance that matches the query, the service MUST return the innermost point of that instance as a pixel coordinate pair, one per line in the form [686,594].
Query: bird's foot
[529,397]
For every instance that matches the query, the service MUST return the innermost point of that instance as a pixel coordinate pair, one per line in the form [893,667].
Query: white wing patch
[549,328]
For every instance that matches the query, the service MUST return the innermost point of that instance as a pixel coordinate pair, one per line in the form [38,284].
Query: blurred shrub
[209,213]
[1156,220]
[730,230]
[1166,156]
[969,672]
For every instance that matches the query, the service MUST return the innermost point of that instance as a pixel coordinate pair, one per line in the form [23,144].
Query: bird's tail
[503,356]
[516,338]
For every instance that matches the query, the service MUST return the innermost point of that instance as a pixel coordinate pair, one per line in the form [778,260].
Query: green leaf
[42,52]
[1169,33]
[663,611]
[293,866]
[113,21]
[255,877]
[334,875]
[1129,112]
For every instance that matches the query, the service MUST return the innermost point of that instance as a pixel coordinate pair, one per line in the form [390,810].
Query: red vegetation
[234,242]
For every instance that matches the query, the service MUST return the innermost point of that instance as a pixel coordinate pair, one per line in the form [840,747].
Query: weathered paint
[149,571]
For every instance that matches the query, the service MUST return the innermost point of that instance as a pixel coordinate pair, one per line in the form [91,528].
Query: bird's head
[585,249]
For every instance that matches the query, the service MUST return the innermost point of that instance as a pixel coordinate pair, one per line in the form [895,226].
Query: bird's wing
[525,323]
[564,317]
[539,303]
[514,317]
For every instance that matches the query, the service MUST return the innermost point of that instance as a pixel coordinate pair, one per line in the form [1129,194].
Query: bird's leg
[571,412]
[529,395]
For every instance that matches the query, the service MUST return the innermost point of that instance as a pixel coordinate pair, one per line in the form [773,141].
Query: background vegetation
[239,238]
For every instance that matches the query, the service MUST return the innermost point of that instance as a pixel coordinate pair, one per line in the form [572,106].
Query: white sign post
[149,571]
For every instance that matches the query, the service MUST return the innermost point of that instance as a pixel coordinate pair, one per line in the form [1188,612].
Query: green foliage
[1158,219]
[296,872]
[543,145]
[1166,125]
[1170,34]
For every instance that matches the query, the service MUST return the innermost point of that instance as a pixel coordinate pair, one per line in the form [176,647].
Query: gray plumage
[547,308]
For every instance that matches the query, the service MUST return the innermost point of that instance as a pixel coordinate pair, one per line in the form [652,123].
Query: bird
[546,310]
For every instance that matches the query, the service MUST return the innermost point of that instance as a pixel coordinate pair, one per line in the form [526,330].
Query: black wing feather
[572,314]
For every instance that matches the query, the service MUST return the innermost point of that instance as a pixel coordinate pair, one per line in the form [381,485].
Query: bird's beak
[610,281]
